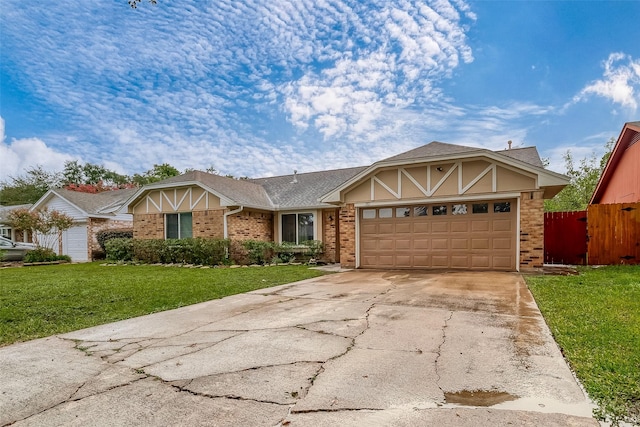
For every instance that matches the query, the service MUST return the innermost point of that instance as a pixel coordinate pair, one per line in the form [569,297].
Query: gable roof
[526,158]
[311,190]
[629,135]
[5,210]
[103,204]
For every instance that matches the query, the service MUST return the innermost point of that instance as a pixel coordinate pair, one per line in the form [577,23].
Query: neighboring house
[620,180]
[91,213]
[6,230]
[437,206]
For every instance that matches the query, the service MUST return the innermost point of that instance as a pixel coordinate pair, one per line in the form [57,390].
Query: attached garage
[444,206]
[465,235]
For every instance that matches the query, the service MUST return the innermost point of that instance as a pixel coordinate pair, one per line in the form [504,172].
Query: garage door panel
[421,227]
[460,227]
[459,243]
[385,228]
[483,240]
[459,261]
[440,261]
[480,226]
[501,225]
[480,261]
[439,244]
[480,243]
[439,227]
[502,262]
[403,244]
[502,243]
[403,227]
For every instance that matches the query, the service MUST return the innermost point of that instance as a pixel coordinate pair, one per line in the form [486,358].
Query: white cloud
[21,154]
[620,83]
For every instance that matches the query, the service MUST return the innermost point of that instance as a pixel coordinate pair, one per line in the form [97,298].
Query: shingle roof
[525,154]
[285,192]
[4,210]
[431,149]
[96,204]
[241,191]
[307,187]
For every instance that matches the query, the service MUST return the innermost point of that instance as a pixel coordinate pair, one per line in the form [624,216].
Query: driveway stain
[478,397]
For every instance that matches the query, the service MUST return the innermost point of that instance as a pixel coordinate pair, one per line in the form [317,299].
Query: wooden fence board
[614,234]
[565,238]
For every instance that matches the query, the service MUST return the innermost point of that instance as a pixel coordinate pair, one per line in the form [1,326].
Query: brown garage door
[471,235]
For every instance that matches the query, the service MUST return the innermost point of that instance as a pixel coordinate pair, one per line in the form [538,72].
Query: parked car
[14,251]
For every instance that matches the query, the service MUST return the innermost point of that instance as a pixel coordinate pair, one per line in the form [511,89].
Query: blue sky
[261,88]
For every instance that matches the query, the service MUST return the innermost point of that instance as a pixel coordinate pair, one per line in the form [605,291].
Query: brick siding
[531,230]
[148,226]
[208,224]
[95,225]
[250,225]
[348,236]
[329,230]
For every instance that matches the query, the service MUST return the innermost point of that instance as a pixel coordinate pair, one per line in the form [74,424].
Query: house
[620,180]
[437,206]
[91,213]
[10,232]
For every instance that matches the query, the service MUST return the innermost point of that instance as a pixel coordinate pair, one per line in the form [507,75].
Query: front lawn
[41,301]
[595,318]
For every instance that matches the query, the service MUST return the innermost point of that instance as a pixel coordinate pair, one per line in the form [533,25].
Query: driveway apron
[399,348]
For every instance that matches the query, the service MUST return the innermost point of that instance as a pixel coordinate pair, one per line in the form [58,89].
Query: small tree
[47,225]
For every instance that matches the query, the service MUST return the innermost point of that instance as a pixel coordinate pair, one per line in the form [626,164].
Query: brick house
[437,206]
[91,213]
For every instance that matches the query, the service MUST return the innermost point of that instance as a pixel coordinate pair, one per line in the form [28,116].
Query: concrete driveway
[355,348]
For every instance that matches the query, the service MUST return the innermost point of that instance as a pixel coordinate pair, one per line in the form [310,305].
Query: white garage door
[469,235]
[74,243]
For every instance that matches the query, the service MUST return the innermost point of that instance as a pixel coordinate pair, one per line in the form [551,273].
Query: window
[297,228]
[403,212]
[5,232]
[502,207]
[385,213]
[439,210]
[178,226]
[459,210]
[368,213]
[420,211]
[480,208]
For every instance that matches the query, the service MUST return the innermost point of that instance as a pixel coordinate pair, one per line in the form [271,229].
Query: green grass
[595,318]
[41,301]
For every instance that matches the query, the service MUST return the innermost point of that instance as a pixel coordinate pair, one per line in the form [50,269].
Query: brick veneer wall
[95,225]
[250,225]
[329,235]
[148,226]
[208,224]
[531,230]
[348,236]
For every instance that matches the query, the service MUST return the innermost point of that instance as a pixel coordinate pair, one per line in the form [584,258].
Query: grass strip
[40,301]
[595,318]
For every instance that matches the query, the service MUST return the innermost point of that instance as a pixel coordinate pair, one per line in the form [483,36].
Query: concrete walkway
[349,349]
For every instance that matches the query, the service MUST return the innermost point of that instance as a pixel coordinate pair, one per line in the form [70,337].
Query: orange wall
[624,184]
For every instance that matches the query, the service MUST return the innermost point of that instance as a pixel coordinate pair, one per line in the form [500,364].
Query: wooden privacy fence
[565,238]
[614,234]
[601,235]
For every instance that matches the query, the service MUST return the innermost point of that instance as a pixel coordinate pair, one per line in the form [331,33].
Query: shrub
[120,249]
[187,251]
[43,254]
[105,235]
[258,251]
[285,251]
[315,247]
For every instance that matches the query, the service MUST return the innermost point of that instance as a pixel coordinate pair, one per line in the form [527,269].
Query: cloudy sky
[259,88]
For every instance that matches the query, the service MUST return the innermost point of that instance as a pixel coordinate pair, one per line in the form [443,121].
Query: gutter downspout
[226,214]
